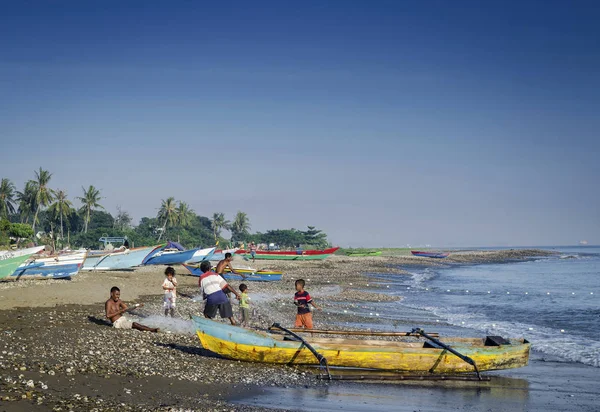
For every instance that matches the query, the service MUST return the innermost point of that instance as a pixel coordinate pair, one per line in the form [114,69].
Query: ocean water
[553,301]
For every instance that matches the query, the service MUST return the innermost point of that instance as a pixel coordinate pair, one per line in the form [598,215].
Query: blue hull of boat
[170,258]
[256,277]
[47,272]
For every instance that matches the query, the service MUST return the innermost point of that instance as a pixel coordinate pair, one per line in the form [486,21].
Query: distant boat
[363,254]
[436,255]
[289,254]
[61,266]
[12,259]
[256,276]
[173,254]
[117,259]
[583,242]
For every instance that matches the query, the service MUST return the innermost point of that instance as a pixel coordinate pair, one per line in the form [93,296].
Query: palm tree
[26,200]
[219,223]
[240,225]
[184,215]
[62,207]
[168,213]
[90,200]
[43,194]
[7,198]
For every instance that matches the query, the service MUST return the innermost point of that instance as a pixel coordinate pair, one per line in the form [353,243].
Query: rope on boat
[449,349]
[322,359]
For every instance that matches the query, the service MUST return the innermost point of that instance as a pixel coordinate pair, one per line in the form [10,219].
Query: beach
[58,352]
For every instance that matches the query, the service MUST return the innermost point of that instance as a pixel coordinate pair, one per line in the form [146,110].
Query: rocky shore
[57,352]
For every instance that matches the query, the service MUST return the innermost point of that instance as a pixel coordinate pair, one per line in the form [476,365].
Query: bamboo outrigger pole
[359,333]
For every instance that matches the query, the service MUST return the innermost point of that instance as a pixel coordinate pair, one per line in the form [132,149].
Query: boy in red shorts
[302,299]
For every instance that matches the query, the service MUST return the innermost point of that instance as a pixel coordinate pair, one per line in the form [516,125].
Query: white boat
[61,266]
[117,260]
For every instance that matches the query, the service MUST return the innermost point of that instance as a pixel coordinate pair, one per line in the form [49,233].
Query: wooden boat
[289,254]
[256,276]
[363,254]
[12,259]
[413,356]
[219,254]
[436,255]
[61,266]
[118,259]
[173,253]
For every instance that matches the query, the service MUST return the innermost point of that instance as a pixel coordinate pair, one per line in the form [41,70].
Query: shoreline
[73,340]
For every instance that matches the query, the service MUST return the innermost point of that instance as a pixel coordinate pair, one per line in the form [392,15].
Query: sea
[553,301]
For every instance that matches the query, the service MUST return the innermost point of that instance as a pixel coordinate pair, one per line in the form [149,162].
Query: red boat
[290,254]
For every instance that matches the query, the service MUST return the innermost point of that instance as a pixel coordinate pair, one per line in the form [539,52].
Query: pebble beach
[58,352]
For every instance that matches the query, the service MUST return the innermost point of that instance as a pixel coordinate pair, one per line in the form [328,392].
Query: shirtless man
[226,263]
[115,308]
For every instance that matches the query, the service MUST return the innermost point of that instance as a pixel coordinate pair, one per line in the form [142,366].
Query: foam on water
[553,302]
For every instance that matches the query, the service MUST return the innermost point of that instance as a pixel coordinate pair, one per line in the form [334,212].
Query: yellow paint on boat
[396,356]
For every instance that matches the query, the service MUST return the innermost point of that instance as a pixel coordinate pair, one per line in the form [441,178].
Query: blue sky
[383,123]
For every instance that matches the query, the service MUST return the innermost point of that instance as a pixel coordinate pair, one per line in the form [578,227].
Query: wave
[549,341]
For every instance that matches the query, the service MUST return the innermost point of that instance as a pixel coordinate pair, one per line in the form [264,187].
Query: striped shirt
[211,286]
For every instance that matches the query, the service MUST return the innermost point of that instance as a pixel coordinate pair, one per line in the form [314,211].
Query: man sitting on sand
[226,264]
[115,308]
[212,287]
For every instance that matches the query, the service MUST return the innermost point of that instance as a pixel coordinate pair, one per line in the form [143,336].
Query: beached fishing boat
[415,356]
[289,254]
[256,276]
[435,255]
[219,254]
[61,266]
[12,259]
[117,259]
[363,254]
[173,253]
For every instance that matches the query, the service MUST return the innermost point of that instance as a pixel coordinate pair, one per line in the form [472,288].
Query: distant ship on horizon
[583,242]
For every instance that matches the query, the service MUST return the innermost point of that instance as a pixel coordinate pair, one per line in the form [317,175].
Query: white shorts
[170,301]
[123,323]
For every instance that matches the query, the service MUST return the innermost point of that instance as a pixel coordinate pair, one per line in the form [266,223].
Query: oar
[449,349]
[322,360]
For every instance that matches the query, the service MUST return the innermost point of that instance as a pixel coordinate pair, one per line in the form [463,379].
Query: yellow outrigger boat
[429,356]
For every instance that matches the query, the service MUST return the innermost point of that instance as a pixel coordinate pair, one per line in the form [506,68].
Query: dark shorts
[225,310]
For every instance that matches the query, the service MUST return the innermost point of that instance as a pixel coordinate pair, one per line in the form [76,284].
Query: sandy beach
[57,351]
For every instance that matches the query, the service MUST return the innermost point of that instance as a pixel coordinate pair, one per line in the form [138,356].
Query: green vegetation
[61,224]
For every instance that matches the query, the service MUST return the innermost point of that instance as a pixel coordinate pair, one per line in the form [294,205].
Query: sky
[383,123]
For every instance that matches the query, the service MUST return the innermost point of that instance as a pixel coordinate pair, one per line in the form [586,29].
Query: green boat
[10,260]
[363,254]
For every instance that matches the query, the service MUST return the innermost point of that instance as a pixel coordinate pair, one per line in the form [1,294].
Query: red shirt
[302,299]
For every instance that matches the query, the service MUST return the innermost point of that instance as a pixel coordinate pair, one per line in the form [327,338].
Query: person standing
[302,300]
[170,288]
[212,287]
[253,251]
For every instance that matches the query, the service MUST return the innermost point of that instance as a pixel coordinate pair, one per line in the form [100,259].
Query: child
[244,304]
[302,299]
[170,288]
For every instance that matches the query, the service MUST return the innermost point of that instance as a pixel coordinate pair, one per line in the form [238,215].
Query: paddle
[449,349]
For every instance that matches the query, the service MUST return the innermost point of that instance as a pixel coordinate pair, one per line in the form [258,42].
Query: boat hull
[11,260]
[58,267]
[259,276]
[118,260]
[160,257]
[433,255]
[289,255]
[241,344]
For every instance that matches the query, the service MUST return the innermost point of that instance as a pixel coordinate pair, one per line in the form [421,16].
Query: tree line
[45,215]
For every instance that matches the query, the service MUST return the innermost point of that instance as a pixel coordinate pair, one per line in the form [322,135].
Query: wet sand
[57,351]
